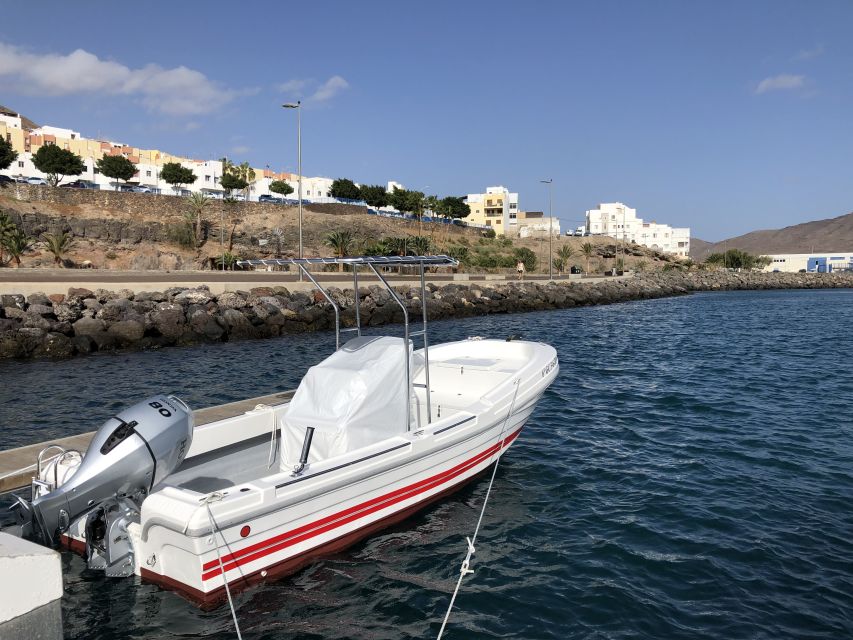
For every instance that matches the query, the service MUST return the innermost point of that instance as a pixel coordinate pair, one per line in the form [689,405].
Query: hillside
[28,124]
[117,230]
[833,234]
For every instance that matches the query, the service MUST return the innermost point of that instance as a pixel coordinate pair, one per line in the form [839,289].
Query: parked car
[142,189]
[35,180]
[6,180]
[80,184]
[271,199]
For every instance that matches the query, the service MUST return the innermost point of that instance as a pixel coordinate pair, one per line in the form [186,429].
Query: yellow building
[496,208]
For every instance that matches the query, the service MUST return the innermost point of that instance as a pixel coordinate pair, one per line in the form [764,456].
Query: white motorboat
[375,432]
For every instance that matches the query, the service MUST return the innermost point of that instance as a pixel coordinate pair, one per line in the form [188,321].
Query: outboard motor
[128,456]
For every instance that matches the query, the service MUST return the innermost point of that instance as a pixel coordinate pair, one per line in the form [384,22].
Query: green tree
[231,183]
[281,187]
[57,163]
[526,256]
[58,244]
[374,195]
[176,175]
[737,259]
[587,249]
[453,207]
[559,264]
[117,167]
[341,242]
[346,189]
[7,154]
[399,199]
[17,243]
[198,203]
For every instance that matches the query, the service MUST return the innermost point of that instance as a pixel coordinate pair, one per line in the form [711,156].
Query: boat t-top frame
[372,262]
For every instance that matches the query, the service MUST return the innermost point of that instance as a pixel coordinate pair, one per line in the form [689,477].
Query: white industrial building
[822,262]
[619,221]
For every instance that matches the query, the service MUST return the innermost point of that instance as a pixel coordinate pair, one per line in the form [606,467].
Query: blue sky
[723,116]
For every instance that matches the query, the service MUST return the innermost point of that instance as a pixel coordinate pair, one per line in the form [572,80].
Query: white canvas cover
[355,397]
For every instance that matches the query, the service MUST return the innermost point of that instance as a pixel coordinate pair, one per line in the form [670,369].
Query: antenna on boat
[372,262]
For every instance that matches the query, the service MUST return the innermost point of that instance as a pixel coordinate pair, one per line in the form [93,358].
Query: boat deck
[17,465]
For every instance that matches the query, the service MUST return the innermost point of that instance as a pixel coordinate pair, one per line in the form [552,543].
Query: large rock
[168,320]
[193,296]
[66,313]
[238,325]
[115,310]
[76,295]
[127,332]
[54,345]
[89,327]
[12,300]
[231,300]
[38,298]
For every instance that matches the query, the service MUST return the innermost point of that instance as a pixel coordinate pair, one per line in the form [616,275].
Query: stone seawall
[84,321]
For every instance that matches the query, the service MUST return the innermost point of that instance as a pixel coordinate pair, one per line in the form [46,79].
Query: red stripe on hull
[289,566]
[306,532]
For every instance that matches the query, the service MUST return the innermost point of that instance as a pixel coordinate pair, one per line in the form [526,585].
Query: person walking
[520,270]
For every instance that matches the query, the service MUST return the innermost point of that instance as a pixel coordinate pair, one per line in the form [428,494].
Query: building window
[148,174]
[207,178]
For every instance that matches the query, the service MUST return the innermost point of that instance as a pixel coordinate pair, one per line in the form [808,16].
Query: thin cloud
[179,91]
[240,149]
[810,54]
[299,88]
[329,89]
[782,82]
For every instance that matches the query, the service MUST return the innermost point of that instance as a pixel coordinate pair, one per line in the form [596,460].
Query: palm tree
[566,252]
[17,243]
[6,228]
[340,242]
[198,202]
[396,246]
[57,244]
[419,245]
[559,265]
[587,250]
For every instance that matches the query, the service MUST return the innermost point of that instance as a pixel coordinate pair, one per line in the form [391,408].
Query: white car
[35,180]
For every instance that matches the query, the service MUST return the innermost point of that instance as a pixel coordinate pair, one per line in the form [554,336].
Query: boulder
[115,310]
[12,300]
[193,296]
[231,300]
[168,320]
[54,345]
[57,298]
[13,312]
[76,295]
[238,325]
[89,327]
[38,298]
[127,332]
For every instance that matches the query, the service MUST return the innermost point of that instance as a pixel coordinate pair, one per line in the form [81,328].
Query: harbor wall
[83,321]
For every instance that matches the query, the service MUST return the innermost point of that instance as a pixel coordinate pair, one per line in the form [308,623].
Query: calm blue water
[689,475]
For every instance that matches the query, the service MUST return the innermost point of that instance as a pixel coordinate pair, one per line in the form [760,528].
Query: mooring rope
[466,563]
[213,497]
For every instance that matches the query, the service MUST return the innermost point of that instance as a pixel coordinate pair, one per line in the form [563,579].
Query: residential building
[619,221]
[496,208]
[149,163]
[532,224]
[823,262]
[394,185]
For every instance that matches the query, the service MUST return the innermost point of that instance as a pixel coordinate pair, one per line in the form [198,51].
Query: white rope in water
[466,563]
[213,497]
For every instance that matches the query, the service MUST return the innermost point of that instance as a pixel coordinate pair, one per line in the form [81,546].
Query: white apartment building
[619,221]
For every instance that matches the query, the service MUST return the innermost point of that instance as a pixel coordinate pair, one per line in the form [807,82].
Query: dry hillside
[834,234]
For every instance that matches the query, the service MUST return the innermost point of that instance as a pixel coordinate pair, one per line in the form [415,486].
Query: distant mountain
[698,247]
[834,234]
[26,123]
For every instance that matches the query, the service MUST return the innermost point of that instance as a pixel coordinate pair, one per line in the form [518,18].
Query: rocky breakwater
[84,321]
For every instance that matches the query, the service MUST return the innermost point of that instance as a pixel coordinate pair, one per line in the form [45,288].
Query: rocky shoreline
[83,321]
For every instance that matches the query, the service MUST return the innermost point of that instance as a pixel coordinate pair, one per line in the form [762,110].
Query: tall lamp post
[550,183]
[298,106]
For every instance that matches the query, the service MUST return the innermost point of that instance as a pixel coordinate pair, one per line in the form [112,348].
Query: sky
[724,116]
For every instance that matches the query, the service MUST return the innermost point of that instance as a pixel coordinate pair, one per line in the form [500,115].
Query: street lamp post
[298,106]
[550,183]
